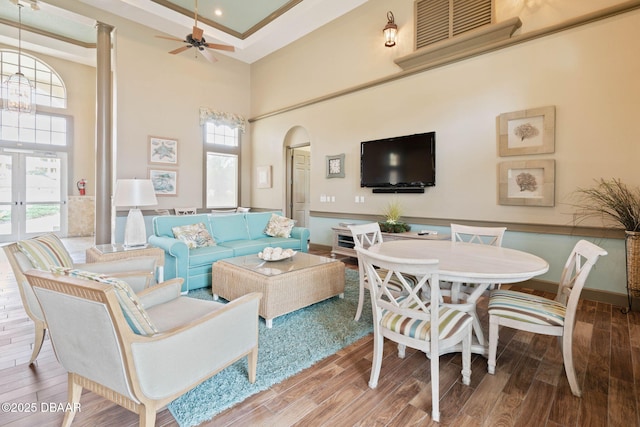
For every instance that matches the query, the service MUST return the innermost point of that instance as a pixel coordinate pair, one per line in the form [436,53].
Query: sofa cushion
[209,254]
[246,247]
[132,308]
[193,235]
[257,224]
[45,251]
[228,227]
[279,226]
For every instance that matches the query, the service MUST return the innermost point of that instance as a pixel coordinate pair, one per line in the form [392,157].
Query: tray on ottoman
[286,285]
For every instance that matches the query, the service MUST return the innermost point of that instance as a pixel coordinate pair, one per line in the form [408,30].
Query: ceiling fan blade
[170,38]
[220,47]
[208,55]
[180,49]
[197,33]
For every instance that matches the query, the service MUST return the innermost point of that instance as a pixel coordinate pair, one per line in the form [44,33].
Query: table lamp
[135,192]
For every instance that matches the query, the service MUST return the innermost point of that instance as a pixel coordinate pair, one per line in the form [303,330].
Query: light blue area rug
[296,341]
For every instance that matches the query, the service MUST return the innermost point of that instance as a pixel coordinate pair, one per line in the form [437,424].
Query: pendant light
[19,92]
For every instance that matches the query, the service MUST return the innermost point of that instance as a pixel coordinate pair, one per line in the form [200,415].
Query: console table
[343,240]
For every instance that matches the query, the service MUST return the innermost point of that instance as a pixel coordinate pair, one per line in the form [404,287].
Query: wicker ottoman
[286,285]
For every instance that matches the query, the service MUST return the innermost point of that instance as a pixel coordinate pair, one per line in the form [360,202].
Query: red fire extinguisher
[82,185]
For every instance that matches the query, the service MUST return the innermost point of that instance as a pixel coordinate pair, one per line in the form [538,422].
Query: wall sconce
[390,31]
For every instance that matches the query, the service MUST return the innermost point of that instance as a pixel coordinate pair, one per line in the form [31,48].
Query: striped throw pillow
[45,252]
[132,308]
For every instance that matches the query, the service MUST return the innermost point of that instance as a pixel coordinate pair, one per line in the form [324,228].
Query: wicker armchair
[97,345]
[139,273]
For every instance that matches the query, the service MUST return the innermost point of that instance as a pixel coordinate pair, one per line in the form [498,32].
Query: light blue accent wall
[607,275]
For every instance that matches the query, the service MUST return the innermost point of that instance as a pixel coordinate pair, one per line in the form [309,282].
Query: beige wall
[587,73]
[159,94]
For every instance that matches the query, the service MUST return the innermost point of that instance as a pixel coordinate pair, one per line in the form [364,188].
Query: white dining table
[461,262]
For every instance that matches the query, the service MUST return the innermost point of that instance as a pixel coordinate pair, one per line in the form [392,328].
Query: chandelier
[19,95]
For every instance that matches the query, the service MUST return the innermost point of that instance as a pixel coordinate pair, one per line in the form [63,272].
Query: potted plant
[617,203]
[392,223]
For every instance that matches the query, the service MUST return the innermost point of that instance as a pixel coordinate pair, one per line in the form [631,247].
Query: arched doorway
[298,189]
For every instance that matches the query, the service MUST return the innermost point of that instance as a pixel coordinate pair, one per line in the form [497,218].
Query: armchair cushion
[132,308]
[279,226]
[46,251]
[194,235]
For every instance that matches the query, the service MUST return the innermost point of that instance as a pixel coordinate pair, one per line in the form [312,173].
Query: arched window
[46,127]
[36,154]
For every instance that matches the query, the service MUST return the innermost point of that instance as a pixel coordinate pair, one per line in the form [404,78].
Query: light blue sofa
[235,235]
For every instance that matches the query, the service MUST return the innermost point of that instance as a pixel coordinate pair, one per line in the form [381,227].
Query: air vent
[438,20]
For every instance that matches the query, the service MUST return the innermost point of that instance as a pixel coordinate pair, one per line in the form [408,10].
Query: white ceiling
[254,28]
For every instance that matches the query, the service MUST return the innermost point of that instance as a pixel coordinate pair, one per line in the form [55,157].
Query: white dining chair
[411,321]
[464,296]
[364,236]
[545,316]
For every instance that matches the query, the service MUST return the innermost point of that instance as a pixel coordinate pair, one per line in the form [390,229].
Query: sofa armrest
[165,362]
[161,293]
[301,233]
[176,256]
[173,247]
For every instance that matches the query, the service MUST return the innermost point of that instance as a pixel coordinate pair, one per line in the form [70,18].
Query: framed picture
[165,182]
[335,166]
[527,183]
[527,132]
[163,151]
[263,174]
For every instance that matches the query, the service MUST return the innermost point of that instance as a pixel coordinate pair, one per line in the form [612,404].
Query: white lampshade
[135,192]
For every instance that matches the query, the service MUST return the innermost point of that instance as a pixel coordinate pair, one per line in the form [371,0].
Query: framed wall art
[527,132]
[165,182]
[263,174]
[527,183]
[163,151]
[335,166]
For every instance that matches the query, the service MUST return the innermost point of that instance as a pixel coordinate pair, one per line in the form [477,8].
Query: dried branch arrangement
[612,201]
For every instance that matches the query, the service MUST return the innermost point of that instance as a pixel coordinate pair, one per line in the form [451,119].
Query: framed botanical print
[335,166]
[527,132]
[527,183]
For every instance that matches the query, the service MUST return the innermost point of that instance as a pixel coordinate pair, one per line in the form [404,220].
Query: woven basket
[632,244]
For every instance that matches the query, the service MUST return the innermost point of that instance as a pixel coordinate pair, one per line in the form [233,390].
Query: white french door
[32,193]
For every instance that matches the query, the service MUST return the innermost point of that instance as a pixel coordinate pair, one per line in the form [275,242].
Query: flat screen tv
[400,162]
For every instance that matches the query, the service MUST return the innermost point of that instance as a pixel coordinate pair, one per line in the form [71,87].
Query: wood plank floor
[528,389]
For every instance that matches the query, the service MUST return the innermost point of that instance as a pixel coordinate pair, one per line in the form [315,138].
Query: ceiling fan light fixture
[390,31]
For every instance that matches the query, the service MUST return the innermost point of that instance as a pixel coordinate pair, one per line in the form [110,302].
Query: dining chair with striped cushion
[545,316]
[410,320]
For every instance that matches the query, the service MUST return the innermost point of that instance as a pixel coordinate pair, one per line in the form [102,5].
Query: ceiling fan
[196,40]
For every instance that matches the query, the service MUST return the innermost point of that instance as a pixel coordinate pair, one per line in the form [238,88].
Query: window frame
[224,149]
